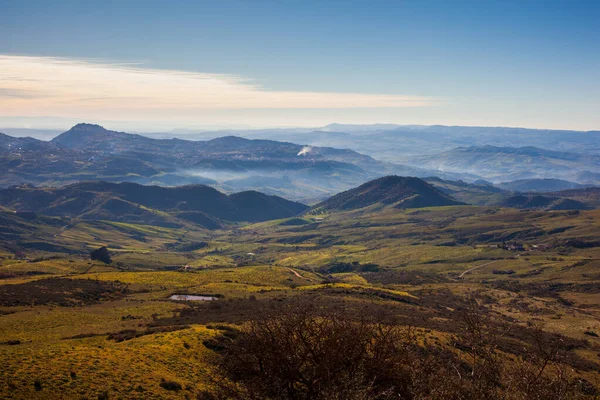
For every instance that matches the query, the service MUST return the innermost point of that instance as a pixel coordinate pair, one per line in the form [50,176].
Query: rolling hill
[539,185]
[589,195]
[401,192]
[488,195]
[132,202]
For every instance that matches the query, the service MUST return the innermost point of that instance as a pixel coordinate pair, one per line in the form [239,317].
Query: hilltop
[401,192]
[84,136]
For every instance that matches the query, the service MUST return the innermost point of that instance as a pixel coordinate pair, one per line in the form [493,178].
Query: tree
[304,355]
[101,254]
[307,353]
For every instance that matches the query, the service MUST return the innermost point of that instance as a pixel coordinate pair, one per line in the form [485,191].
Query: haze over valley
[306,171]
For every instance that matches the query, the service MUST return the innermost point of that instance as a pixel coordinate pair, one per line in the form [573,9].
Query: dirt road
[295,273]
[477,267]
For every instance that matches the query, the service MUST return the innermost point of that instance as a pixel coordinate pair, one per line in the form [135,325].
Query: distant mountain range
[397,143]
[330,161]
[90,152]
[499,164]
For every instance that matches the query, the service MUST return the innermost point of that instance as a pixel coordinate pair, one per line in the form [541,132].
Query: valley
[395,246]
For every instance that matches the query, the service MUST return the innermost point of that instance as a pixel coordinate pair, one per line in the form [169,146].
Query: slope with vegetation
[437,301]
[537,201]
[401,192]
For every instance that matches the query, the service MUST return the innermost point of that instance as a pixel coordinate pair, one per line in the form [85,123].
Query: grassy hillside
[125,338]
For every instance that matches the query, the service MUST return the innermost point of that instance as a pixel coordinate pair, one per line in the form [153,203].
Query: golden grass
[131,369]
[264,277]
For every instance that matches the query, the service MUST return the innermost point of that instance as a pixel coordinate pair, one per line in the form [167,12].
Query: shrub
[170,385]
[101,254]
[306,353]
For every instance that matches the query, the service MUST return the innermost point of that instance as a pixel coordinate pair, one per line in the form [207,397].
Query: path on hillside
[295,273]
[477,267]
[483,265]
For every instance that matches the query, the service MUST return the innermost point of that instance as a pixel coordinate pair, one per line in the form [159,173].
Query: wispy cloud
[49,86]
[12,93]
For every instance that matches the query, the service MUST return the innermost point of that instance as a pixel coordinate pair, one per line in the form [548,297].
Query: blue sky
[511,63]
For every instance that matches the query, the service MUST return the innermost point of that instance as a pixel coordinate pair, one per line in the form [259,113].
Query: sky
[155,65]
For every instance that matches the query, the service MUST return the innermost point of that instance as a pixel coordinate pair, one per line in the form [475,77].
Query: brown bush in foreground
[309,354]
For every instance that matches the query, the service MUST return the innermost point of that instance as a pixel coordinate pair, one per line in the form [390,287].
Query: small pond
[191,297]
